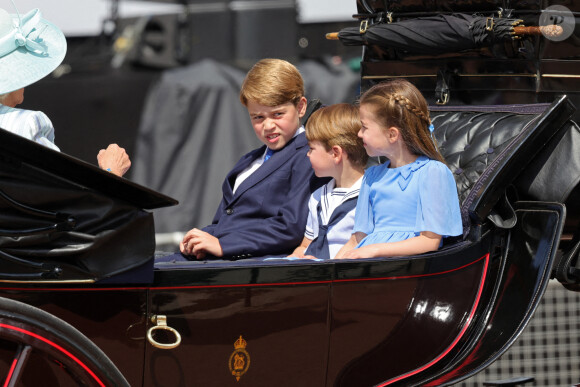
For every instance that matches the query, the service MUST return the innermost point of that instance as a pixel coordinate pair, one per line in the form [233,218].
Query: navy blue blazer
[267,214]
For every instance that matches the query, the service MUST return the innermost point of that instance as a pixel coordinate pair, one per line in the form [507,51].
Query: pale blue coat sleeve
[40,129]
[438,210]
[33,125]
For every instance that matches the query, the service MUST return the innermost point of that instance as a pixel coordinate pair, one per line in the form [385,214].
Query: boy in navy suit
[262,211]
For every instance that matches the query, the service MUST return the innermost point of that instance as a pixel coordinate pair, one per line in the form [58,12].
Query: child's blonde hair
[272,82]
[338,124]
[400,104]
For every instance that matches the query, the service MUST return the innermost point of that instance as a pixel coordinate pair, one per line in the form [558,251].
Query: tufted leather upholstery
[470,141]
[487,147]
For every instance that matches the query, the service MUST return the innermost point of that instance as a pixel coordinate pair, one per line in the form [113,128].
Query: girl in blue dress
[408,204]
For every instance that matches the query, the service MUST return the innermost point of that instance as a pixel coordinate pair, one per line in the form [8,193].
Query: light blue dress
[399,203]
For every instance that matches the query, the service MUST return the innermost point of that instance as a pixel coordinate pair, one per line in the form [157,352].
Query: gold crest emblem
[239,359]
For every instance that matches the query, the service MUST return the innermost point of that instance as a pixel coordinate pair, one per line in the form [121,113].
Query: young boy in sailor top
[337,152]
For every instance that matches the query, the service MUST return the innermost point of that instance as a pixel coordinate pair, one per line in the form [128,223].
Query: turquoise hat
[30,49]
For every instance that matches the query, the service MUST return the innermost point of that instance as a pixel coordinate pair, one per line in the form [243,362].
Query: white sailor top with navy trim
[335,208]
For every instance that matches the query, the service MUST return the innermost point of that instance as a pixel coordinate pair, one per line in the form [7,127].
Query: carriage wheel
[39,349]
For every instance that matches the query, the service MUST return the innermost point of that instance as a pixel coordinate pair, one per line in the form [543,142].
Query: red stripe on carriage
[237,285]
[415,275]
[58,347]
[9,377]
[459,336]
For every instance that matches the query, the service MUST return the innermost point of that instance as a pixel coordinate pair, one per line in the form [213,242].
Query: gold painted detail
[489,24]
[560,76]
[524,75]
[83,281]
[240,359]
[363,26]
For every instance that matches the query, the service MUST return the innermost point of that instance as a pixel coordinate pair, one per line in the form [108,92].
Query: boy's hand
[199,243]
[298,252]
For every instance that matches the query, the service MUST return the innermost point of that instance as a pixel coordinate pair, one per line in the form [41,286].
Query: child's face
[321,159]
[276,125]
[373,134]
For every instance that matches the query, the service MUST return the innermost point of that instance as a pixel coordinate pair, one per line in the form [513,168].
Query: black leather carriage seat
[488,147]
[64,219]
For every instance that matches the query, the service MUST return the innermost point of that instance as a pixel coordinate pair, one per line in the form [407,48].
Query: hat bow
[24,34]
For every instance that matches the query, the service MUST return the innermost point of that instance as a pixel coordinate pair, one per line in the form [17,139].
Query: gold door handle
[160,322]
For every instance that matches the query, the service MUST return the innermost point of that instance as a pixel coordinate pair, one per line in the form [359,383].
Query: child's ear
[393,134]
[301,107]
[337,153]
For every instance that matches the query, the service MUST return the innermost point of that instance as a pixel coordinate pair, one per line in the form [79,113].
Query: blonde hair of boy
[272,82]
[338,124]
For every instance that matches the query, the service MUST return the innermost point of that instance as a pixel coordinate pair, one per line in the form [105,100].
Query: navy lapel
[242,164]
[276,161]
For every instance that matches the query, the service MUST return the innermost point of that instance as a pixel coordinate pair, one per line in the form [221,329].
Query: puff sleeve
[438,208]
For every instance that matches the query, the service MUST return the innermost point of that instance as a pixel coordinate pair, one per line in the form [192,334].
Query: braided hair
[400,104]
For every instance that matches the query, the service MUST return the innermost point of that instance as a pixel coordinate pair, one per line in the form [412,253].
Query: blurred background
[86,18]
[161,79]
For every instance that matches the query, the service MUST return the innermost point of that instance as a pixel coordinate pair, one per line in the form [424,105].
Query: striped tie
[269,153]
